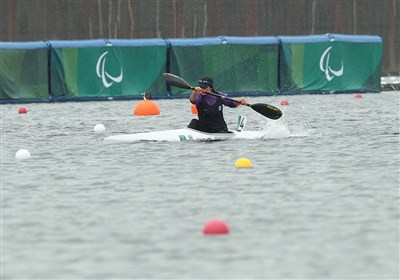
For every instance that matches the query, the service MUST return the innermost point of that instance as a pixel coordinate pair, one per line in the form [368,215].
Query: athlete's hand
[200,90]
[242,101]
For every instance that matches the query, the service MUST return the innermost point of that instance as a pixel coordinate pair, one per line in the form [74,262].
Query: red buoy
[216,226]
[22,110]
[358,95]
[284,102]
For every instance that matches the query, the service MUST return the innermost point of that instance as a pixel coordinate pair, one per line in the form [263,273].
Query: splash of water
[279,129]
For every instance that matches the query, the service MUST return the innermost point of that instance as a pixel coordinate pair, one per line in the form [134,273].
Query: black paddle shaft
[266,110]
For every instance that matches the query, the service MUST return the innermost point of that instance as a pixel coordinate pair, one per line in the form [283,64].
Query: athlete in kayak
[209,107]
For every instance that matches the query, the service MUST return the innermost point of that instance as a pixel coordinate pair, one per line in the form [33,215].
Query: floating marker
[22,110]
[243,163]
[194,109]
[146,108]
[358,95]
[99,128]
[22,154]
[284,102]
[215,226]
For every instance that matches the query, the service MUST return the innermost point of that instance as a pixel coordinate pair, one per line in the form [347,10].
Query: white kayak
[184,134]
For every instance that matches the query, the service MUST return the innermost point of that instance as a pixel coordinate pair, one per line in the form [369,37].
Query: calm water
[321,201]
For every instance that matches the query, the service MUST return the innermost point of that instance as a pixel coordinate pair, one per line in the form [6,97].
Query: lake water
[321,201]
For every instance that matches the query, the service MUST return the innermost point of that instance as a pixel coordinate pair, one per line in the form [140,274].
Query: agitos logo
[101,72]
[326,68]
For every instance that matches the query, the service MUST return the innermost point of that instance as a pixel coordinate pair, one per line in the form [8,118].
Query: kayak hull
[184,134]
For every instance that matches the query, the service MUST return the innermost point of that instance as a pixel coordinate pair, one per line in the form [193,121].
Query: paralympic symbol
[106,78]
[324,66]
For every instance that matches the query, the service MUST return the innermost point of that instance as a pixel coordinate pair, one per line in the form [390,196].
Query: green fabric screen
[237,68]
[324,64]
[108,71]
[23,74]
[125,68]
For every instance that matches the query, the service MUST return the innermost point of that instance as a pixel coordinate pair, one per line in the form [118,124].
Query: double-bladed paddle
[266,110]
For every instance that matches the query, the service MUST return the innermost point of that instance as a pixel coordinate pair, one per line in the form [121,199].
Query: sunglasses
[204,84]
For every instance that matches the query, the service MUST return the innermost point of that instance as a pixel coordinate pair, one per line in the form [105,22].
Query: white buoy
[99,128]
[22,154]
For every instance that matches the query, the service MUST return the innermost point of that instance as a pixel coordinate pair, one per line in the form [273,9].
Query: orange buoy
[194,109]
[146,108]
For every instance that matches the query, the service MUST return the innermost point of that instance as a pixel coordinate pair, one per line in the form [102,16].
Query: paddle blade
[267,110]
[176,81]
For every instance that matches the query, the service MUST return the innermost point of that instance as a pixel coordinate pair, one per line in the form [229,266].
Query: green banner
[104,69]
[235,68]
[108,71]
[23,74]
[330,67]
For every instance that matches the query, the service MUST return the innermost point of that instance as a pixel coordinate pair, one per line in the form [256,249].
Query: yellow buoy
[243,163]
[146,108]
